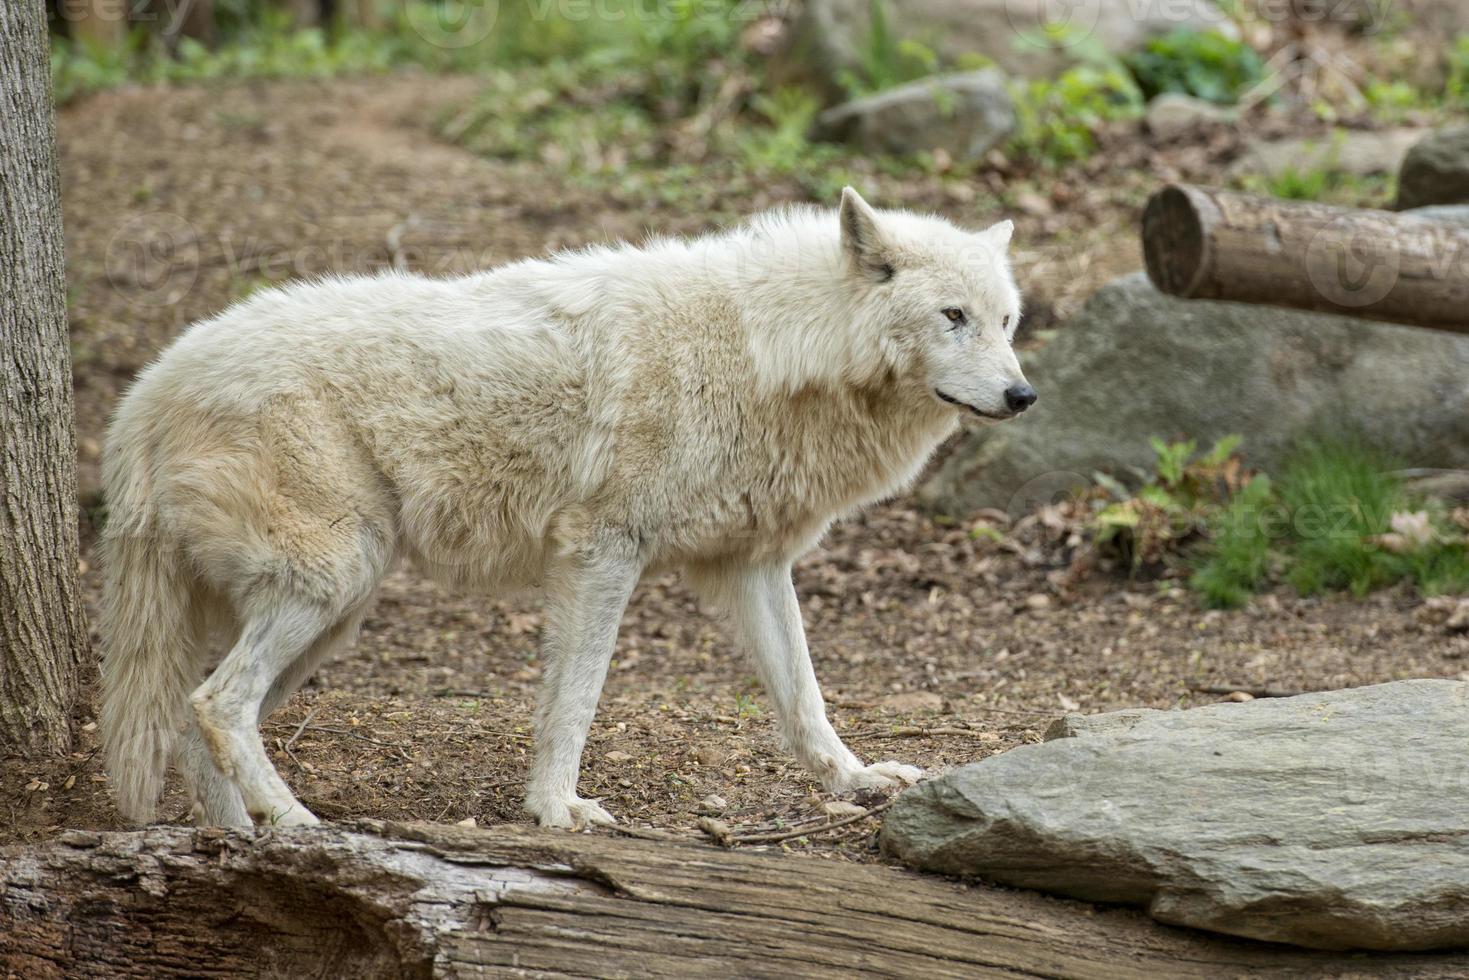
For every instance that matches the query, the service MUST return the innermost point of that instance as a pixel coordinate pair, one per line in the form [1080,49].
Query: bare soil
[934,646]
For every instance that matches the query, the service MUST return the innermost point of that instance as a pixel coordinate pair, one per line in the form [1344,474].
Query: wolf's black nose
[1020,397]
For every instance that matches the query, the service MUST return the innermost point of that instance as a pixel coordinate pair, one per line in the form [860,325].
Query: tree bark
[195,20]
[1213,244]
[387,900]
[42,630]
[304,13]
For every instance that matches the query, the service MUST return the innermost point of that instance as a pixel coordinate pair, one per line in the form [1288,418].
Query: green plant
[781,146]
[1173,507]
[885,60]
[1057,119]
[1392,100]
[1326,182]
[1337,519]
[262,42]
[1339,500]
[1238,561]
[1456,87]
[1204,64]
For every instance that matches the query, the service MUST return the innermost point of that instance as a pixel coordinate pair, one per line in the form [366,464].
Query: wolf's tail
[148,664]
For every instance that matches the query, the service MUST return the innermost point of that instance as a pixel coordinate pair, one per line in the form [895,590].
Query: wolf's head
[947,300]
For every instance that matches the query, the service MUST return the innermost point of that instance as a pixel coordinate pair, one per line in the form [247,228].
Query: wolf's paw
[294,815]
[879,775]
[572,814]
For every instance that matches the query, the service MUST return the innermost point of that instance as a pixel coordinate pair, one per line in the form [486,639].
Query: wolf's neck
[807,324]
[852,446]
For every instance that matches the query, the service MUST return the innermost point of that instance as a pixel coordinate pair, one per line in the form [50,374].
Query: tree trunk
[304,13]
[1212,244]
[195,19]
[42,631]
[385,900]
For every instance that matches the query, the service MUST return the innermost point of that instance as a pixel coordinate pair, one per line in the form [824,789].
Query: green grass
[1058,118]
[1337,499]
[1239,562]
[885,59]
[1320,528]
[268,47]
[1327,185]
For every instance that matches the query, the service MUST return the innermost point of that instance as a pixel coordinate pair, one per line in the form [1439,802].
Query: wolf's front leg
[767,618]
[586,592]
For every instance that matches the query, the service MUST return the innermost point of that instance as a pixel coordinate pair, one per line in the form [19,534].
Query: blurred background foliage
[604,87]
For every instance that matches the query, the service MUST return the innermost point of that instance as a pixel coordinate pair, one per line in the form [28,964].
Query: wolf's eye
[954,315]
[1005,323]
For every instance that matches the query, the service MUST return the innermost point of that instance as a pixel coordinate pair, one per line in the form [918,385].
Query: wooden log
[1204,243]
[386,900]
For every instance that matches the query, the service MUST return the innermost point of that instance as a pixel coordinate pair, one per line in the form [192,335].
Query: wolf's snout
[1020,397]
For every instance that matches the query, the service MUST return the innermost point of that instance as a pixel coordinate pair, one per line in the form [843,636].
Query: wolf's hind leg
[761,600]
[586,593]
[228,706]
[217,800]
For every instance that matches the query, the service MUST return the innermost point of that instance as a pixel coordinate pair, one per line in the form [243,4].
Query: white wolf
[575,424]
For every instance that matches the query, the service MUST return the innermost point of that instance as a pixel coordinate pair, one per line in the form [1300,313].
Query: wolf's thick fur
[573,423]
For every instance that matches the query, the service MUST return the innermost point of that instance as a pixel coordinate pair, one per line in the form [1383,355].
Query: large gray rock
[828,37]
[1457,214]
[1332,820]
[1173,114]
[964,115]
[1136,363]
[1351,151]
[1436,170]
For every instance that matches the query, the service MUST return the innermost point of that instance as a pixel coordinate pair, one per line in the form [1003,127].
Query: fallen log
[1204,243]
[386,900]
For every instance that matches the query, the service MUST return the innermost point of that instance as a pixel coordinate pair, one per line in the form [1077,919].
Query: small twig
[642,834]
[351,734]
[808,831]
[302,727]
[1254,692]
[910,732]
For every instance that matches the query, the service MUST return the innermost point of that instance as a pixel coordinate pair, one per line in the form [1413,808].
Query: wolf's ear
[862,240]
[999,234]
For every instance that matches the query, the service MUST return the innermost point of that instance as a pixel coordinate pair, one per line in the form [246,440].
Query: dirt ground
[934,646]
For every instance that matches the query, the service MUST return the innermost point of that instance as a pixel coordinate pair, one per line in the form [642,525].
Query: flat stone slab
[1337,820]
